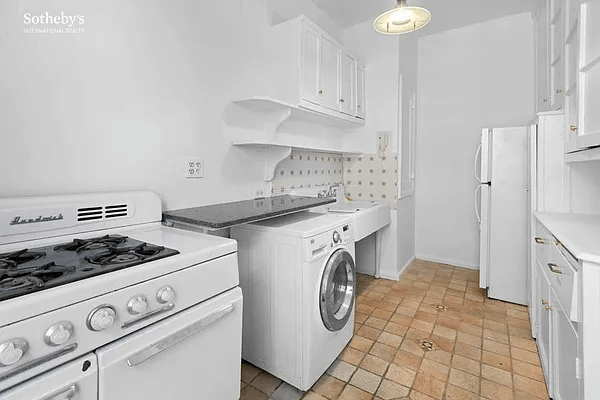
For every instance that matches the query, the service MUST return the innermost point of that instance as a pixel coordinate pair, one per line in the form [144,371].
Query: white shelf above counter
[318,149]
[275,153]
[306,111]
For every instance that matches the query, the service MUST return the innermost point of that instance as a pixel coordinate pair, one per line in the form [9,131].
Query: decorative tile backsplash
[372,178]
[365,178]
[306,169]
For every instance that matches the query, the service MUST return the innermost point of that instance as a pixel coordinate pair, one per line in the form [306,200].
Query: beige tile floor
[432,335]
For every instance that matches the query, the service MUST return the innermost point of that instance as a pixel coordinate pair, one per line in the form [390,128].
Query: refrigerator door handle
[477,212]
[477,154]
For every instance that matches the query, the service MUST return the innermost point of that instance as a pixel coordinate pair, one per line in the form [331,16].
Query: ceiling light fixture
[402,19]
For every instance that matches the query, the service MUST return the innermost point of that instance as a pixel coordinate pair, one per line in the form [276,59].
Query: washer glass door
[337,290]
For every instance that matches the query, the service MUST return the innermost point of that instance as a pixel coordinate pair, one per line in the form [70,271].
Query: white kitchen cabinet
[557,37]
[544,327]
[330,74]
[360,92]
[348,84]
[311,64]
[566,365]
[542,56]
[312,71]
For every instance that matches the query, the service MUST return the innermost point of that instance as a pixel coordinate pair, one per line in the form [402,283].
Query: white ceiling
[446,14]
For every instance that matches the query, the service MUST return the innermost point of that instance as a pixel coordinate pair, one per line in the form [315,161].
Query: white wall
[585,187]
[121,106]
[391,66]
[469,78]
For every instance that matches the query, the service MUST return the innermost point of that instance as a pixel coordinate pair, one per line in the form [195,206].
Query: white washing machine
[298,278]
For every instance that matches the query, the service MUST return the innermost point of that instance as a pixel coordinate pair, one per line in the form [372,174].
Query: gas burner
[51,271]
[99,243]
[125,255]
[12,260]
[20,283]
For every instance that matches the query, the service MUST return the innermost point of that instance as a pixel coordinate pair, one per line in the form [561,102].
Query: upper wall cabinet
[583,76]
[542,56]
[314,72]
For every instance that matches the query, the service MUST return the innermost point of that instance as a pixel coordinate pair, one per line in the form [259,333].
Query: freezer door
[486,155]
[195,354]
[76,380]
[508,215]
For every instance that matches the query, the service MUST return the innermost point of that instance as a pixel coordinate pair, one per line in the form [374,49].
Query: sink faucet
[333,190]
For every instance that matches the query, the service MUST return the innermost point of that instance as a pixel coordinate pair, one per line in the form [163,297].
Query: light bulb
[401,17]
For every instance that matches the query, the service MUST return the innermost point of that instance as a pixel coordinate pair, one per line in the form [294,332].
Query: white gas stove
[99,300]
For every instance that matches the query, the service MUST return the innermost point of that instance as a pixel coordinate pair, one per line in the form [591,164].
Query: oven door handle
[179,336]
[65,393]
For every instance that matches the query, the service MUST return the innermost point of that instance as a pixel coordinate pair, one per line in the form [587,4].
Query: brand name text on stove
[19,221]
[46,18]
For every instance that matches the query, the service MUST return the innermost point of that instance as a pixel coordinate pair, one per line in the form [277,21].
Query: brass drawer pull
[544,302]
[548,308]
[554,268]
[320,91]
[539,240]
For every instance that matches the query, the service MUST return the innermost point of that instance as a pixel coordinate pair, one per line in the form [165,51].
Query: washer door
[337,290]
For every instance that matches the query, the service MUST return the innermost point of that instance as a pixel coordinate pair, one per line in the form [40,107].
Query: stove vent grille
[96,213]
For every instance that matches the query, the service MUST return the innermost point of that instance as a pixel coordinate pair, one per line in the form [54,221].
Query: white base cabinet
[559,325]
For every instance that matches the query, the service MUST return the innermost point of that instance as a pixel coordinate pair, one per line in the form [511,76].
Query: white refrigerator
[502,207]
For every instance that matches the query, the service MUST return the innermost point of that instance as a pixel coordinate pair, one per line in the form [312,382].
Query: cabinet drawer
[542,243]
[563,279]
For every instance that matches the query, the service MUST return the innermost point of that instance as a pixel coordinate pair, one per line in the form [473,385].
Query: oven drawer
[76,380]
[194,354]
[564,280]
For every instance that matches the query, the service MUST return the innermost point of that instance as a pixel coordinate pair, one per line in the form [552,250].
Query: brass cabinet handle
[321,91]
[554,268]
[559,91]
[341,100]
[539,240]
[573,128]
[544,302]
[548,308]
[359,106]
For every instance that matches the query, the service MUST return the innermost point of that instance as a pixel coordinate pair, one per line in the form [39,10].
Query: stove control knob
[101,318]
[165,294]
[12,351]
[137,304]
[58,334]
[336,237]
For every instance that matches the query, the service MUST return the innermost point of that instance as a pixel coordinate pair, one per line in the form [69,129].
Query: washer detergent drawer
[75,380]
[195,354]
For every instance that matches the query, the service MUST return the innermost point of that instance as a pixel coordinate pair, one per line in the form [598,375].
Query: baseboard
[448,262]
[405,266]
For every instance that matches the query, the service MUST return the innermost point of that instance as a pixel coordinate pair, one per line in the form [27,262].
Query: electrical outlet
[259,193]
[194,168]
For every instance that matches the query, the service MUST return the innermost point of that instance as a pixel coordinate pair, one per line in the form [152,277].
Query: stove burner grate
[12,260]
[125,255]
[99,243]
[20,283]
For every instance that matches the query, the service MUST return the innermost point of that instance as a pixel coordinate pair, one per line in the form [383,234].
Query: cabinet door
[544,334]
[542,24]
[330,57]
[565,349]
[588,129]
[311,59]
[347,84]
[571,52]
[360,92]
[557,59]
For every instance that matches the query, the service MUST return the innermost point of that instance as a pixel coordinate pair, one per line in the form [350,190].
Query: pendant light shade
[402,19]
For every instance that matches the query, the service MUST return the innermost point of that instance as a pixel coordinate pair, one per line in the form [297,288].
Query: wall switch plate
[194,168]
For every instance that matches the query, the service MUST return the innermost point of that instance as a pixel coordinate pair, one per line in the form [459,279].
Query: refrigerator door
[484,237]
[486,156]
[508,215]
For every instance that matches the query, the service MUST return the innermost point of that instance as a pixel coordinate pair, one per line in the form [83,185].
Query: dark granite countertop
[220,216]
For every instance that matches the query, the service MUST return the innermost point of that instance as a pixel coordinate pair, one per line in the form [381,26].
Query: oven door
[194,354]
[76,380]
